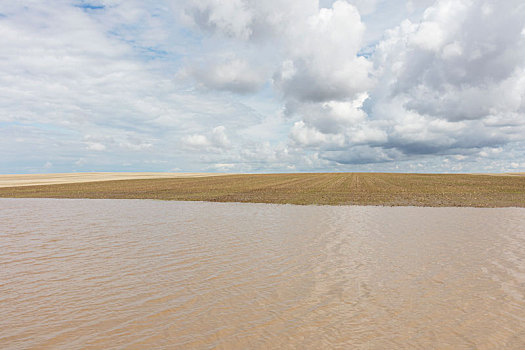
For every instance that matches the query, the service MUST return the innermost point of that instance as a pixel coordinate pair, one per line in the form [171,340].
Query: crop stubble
[317,188]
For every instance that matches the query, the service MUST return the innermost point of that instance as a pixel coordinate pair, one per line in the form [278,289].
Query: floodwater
[140,274]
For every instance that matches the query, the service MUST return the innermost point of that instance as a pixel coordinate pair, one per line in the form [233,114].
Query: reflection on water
[132,274]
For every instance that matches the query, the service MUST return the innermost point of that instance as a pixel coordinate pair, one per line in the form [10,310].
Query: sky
[262,86]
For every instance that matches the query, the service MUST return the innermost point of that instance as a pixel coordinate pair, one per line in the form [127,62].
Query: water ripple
[113,274]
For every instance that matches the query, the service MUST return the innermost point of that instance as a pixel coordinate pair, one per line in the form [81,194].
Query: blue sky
[273,86]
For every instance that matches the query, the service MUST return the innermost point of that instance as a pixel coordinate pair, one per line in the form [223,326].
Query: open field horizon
[11,180]
[388,189]
[15,180]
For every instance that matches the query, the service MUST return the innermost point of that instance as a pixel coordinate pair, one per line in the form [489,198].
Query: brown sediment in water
[388,189]
[132,274]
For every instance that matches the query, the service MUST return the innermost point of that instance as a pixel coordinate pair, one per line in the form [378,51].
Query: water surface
[139,274]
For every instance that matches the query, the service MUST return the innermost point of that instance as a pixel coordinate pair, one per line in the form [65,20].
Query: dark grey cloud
[362,155]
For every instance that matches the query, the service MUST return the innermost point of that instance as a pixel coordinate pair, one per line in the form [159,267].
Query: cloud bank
[245,85]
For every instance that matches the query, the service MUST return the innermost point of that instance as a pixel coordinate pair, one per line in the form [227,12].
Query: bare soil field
[435,190]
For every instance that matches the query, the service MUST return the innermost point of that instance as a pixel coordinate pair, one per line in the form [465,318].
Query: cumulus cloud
[310,85]
[450,84]
[333,117]
[216,140]
[95,146]
[319,46]
[308,136]
[232,74]
[468,65]
[232,18]
[320,75]
[323,64]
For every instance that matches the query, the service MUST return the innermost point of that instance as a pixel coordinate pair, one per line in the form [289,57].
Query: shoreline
[382,189]
[262,204]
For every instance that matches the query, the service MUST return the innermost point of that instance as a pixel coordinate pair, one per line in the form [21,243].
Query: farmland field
[389,189]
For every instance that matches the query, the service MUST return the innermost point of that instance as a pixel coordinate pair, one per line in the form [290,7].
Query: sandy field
[67,178]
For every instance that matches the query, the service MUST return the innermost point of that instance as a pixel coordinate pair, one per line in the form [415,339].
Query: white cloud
[219,138]
[452,81]
[334,117]
[232,18]
[224,166]
[452,50]
[262,85]
[216,140]
[307,136]
[233,74]
[322,62]
[319,46]
[442,88]
[95,146]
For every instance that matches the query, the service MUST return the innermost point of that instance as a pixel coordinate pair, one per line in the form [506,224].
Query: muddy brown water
[141,274]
